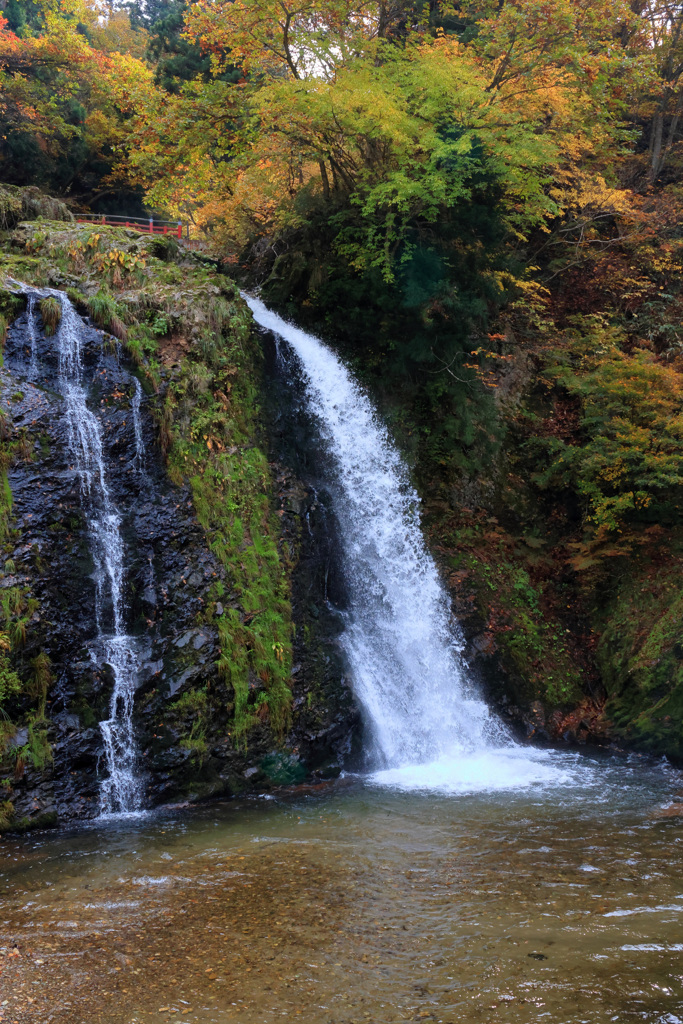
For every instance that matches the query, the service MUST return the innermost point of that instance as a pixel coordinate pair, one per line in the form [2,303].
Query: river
[354,902]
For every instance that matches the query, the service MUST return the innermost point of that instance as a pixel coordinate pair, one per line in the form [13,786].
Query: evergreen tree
[177,59]
[23,16]
[146,13]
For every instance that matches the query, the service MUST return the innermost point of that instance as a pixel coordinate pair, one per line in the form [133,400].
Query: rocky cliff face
[169,567]
[200,730]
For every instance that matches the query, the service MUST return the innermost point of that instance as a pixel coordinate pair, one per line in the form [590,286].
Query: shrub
[626,464]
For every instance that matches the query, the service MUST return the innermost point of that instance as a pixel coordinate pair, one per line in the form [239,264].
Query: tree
[664,105]
[58,115]
[333,103]
[146,13]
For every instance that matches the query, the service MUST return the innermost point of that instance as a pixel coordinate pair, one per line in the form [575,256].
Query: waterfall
[428,727]
[31,326]
[120,792]
[137,427]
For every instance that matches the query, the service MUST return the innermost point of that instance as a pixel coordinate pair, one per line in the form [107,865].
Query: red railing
[144,225]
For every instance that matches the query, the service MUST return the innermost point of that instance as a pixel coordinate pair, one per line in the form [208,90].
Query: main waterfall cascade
[120,791]
[428,727]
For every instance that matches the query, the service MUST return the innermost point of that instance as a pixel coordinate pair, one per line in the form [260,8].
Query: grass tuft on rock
[51,312]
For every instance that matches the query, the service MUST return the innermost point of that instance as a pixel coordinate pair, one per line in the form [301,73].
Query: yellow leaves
[588,194]
[279,651]
[303,39]
[213,442]
[115,263]
[614,472]
[112,33]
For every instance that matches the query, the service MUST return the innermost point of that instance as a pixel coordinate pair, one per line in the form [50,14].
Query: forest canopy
[243,114]
[429,166]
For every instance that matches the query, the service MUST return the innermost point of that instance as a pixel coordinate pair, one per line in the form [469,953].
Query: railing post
[151,225]
[180,229]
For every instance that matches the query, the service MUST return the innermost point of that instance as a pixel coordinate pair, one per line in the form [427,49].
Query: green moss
[535,642]
[33,269]
[104,311]
[209,421]
[196,742]
[47,819]
[22,685]
[6,814]
[5,497]
[11,306]
[207,411]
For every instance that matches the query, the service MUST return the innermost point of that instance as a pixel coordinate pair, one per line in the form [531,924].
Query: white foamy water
[488,770]
[120,791]
[429,728]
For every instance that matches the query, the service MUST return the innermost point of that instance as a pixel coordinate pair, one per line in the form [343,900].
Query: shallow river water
[354,903]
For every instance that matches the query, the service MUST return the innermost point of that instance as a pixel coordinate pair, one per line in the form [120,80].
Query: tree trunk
[656,144]
[673,128]
[325,179]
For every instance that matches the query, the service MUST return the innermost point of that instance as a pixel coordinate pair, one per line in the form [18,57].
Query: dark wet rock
[177,685]
[185,638]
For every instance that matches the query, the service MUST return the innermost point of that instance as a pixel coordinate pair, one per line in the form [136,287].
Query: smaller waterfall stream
[31,326]
[137,426]
[428,727]
[120,792]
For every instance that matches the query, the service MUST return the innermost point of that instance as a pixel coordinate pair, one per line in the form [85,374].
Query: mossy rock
[17,204]
[35,204]
[283,769]
[44,820]
[648,711]
[163,247]
[10,207]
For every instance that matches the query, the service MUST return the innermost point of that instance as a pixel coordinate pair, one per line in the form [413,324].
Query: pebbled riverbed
[354,903]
